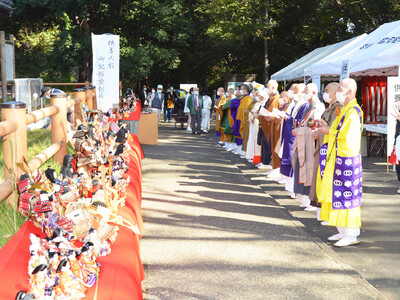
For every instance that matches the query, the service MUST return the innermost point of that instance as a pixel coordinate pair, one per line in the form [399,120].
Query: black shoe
[199,133]
[193,132]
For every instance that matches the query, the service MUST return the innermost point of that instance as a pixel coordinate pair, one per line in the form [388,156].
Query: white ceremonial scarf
[292,111]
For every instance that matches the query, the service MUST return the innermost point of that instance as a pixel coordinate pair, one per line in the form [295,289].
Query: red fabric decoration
[122,271]
[135,115]
[372,108]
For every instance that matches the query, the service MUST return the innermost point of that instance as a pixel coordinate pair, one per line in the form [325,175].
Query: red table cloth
[135,115]
[121,272]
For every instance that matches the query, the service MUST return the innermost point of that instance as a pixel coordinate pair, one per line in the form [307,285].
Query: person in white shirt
[157,101]
[186,110]
[205,113]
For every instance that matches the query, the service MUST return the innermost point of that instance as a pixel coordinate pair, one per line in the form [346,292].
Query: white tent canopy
[376,55]
[302,67]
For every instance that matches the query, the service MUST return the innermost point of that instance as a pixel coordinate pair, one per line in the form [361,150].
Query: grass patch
[38,141]
[11,221]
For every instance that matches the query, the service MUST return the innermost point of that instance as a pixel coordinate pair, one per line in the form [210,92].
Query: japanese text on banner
[106,69]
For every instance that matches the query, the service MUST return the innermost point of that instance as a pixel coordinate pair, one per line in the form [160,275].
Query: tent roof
[302,66]
[6,7]
[376,55]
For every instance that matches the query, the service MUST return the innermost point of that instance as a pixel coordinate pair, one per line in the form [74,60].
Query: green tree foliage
[179,41]
[54,36]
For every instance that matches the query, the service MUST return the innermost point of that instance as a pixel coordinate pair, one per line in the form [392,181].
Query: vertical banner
[317,80]
[393,104]
[106,69]
[345,71]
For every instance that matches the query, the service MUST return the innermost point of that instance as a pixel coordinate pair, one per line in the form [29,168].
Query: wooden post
[15,112]
[89,97]
[387,164]
[79,93]
[3,66]
[94,97]
[59,125]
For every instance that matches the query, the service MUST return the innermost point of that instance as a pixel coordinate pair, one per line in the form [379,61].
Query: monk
[253,151]
[247,116]
[238,127]
[267,154]
[291,121]
[304,146]
[328,116]
[234,107]
[276,130]
[221,100]
[227,122]
[339,188]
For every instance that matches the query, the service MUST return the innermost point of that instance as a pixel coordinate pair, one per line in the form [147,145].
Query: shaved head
[298,88]
[332,87]
[312,88]
[301,87]
[272,84]
[349,83]
[348,87]
[285,96]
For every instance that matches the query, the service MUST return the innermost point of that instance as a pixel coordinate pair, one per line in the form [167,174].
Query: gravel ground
[213,231]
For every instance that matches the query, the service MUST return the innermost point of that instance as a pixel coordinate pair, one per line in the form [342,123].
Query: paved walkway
[215,230]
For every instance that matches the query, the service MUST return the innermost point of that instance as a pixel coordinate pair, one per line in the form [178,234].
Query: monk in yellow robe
[227,122]
[247,113]
[339,186]
[220,102]
[238,127]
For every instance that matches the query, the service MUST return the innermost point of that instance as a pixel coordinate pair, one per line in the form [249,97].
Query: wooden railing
[13,128]
[86,83]
[90,90]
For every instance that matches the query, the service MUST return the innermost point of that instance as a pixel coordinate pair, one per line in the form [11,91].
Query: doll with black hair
[122,134]
[66,169]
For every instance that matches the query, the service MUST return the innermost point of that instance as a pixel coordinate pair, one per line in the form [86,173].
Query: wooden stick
[387,164]
[103,182]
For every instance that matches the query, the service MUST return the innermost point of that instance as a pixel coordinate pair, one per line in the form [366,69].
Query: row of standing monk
[313,149]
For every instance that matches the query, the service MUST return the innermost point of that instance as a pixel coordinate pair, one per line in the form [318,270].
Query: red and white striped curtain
[374,95]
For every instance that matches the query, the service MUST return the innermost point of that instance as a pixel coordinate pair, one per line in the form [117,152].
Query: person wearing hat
[169,102]
[47,91]
[157,100]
